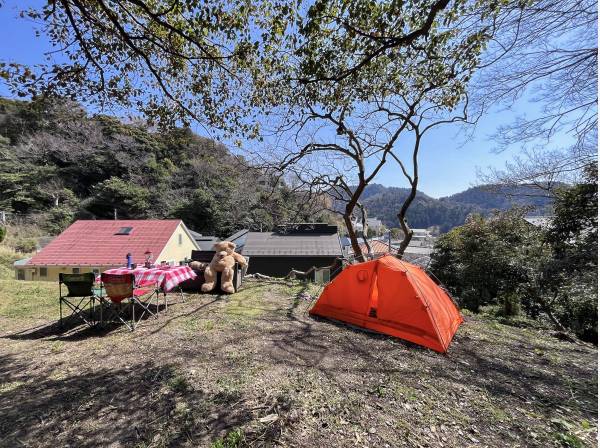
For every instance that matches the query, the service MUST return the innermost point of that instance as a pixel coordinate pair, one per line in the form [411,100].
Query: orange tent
[392,297]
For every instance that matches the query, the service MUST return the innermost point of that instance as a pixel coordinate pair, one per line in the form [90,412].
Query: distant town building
[421,234]
[375,224]
[539,221]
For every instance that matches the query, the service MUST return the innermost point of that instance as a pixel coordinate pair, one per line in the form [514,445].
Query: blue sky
[447,164]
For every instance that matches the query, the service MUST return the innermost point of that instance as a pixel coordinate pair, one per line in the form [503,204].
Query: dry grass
[253,369]
[7,257]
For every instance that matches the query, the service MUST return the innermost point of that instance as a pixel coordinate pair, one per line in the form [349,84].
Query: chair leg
[129,324]
[101,311]
[115,311]
[157,292]
[92,304]
[77,309]
[145,307]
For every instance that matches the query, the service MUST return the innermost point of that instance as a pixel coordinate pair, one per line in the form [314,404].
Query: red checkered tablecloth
[167,279]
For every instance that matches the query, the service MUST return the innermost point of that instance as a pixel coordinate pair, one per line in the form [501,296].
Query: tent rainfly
[392,297]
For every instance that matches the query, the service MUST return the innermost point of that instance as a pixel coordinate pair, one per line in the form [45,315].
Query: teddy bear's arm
[240,259]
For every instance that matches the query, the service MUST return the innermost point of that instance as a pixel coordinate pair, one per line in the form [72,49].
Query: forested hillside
[384,203]
[57,163]
[502,197]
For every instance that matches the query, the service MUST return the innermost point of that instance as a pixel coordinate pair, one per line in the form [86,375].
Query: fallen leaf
[269,418]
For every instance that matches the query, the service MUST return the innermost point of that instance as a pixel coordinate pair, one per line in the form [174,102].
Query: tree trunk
[550,314]
[365,230]
[408,233]
[353,238]
[414,183]
[348,219]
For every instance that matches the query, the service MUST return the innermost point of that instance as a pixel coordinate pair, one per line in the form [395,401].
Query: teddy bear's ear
[231,245]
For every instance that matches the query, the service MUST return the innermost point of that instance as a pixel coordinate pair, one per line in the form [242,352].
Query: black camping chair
[79,296]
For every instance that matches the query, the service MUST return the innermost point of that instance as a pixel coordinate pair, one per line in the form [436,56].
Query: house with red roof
[97,245]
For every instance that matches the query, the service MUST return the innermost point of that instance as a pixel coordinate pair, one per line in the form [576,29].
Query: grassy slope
[255,369]
[15,297]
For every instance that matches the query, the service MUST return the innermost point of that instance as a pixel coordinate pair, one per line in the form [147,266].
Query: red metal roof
[378,247]
[95,243]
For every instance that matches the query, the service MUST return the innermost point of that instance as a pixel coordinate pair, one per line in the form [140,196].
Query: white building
[539,221]
[375,224]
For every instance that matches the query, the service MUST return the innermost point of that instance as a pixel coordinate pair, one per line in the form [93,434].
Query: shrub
[25,245]
[7,258]
[57,219]
[576,305]
[511,304]
[483,261]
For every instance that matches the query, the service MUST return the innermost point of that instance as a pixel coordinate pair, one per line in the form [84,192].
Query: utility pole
[115,213]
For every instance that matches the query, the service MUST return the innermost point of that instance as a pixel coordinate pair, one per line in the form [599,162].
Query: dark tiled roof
[204,242]
[273,244]
[239,237]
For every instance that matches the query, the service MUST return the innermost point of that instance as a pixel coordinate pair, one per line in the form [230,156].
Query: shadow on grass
[73,327]
[134,406]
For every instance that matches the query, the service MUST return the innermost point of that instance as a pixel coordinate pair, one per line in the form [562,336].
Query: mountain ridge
[447,212]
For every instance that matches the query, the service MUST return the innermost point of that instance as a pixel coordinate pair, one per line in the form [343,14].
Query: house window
[20,274]
[75,270]
[124,231]
[180,239]
[43,272]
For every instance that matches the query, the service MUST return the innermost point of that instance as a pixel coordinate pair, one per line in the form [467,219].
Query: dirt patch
[253,369]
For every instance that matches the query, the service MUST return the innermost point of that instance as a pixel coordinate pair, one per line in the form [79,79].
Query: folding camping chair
[78,296]
[122,296]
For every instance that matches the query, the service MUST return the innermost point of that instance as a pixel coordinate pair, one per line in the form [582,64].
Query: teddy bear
[223,261]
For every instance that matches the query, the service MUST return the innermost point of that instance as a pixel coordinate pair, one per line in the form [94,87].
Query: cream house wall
[34,273]
[179,247]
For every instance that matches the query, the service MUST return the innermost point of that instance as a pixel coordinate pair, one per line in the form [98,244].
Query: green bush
[26,245]
[483,261]
[57,219]
[511,304]
[2,233]
[505,262]
[577,304]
